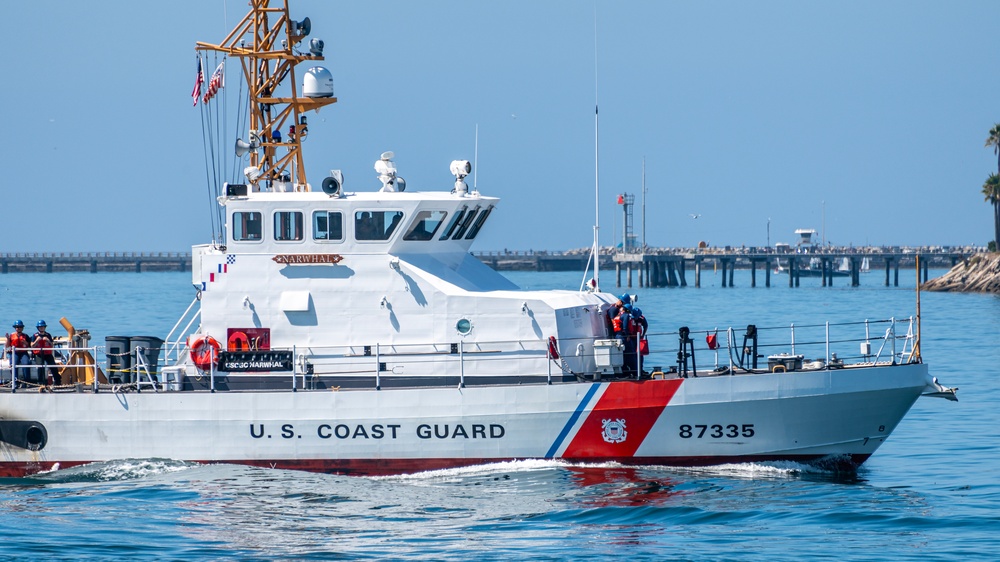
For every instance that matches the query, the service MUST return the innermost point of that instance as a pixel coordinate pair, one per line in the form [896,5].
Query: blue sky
[867,118]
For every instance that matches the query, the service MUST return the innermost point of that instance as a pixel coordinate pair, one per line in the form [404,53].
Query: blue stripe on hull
[572,421]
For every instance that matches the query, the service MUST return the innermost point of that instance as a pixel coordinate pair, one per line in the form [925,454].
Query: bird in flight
[694,216]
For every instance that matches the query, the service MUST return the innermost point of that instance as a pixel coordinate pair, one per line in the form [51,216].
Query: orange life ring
[239,342]
[553,348]
[204,352]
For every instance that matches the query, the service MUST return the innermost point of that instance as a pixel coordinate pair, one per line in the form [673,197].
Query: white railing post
[730,336]
[378,367]
[294,367]
[793,339]
[461,363]
[13,370]
[828,345]
[96,381]
[892,334]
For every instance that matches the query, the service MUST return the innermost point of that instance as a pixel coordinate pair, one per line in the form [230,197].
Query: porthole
[464,326]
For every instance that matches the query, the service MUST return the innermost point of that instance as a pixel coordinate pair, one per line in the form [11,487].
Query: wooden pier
[669,269]
[53,262]
[660,268]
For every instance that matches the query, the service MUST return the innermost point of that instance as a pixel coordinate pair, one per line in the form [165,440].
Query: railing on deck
[868,342]
[821,346]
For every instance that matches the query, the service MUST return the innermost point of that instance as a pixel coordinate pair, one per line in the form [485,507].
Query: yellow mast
[267,61]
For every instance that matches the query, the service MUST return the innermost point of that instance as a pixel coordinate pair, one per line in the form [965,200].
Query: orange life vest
[44,344]
[18,340]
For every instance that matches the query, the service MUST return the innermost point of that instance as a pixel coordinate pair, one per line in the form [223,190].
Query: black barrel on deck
[150,351]
[119,355]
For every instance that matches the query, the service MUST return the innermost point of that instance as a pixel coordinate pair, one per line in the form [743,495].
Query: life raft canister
[239,342]
[204,352]
[553,348]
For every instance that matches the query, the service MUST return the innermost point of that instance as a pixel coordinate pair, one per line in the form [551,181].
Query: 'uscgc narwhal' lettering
[292,259]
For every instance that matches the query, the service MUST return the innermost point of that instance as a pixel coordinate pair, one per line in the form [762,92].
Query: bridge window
[328,225]
[466,223]
[376,225]
[287,226]
[425,225]
[247,226]
[478,224]
[456,219]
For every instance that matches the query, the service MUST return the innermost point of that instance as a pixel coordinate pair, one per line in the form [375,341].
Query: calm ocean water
[931,492]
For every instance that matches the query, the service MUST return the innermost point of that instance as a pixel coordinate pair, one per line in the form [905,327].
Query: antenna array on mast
[268,55]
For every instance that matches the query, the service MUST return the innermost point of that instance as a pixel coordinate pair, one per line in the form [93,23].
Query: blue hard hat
[627,307]
[41,324]
[637,311]
[625,298]
[18,324]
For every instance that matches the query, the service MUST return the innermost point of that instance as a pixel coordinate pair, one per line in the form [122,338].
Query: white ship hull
[845,414]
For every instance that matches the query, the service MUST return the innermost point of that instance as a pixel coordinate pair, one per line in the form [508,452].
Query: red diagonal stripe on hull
[638,403]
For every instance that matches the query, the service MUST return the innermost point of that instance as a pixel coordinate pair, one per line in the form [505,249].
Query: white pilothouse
[340,276]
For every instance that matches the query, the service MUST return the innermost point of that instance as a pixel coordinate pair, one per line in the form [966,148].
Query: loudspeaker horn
[242,147]
[333,185]
[301,28]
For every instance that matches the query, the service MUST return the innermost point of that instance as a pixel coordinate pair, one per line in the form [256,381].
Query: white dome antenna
[317,83]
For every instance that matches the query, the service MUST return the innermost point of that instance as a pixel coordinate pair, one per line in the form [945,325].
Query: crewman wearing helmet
[627,337]
[19,347]
[45,355]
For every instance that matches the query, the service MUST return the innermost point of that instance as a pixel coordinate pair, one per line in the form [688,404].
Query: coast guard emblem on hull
[614,431]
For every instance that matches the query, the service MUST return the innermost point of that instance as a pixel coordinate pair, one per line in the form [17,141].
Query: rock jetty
[977,274]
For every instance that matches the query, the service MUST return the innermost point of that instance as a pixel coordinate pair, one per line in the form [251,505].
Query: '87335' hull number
[716,431]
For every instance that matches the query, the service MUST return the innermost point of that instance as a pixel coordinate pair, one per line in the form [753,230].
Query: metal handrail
[175,345]
[419,358]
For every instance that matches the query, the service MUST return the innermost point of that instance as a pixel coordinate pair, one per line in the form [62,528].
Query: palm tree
[994,141]
[991,191]
[990,187]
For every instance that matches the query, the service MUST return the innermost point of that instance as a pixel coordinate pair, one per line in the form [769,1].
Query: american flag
[217,81]
[196,92]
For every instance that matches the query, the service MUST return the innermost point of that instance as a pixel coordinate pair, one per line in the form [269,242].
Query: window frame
[477,225]
[422,216]
[343,229]
[385,214]
[247,239]
[466,223]
[302,233]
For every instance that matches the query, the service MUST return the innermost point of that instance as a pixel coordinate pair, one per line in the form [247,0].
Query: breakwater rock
[977,274]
